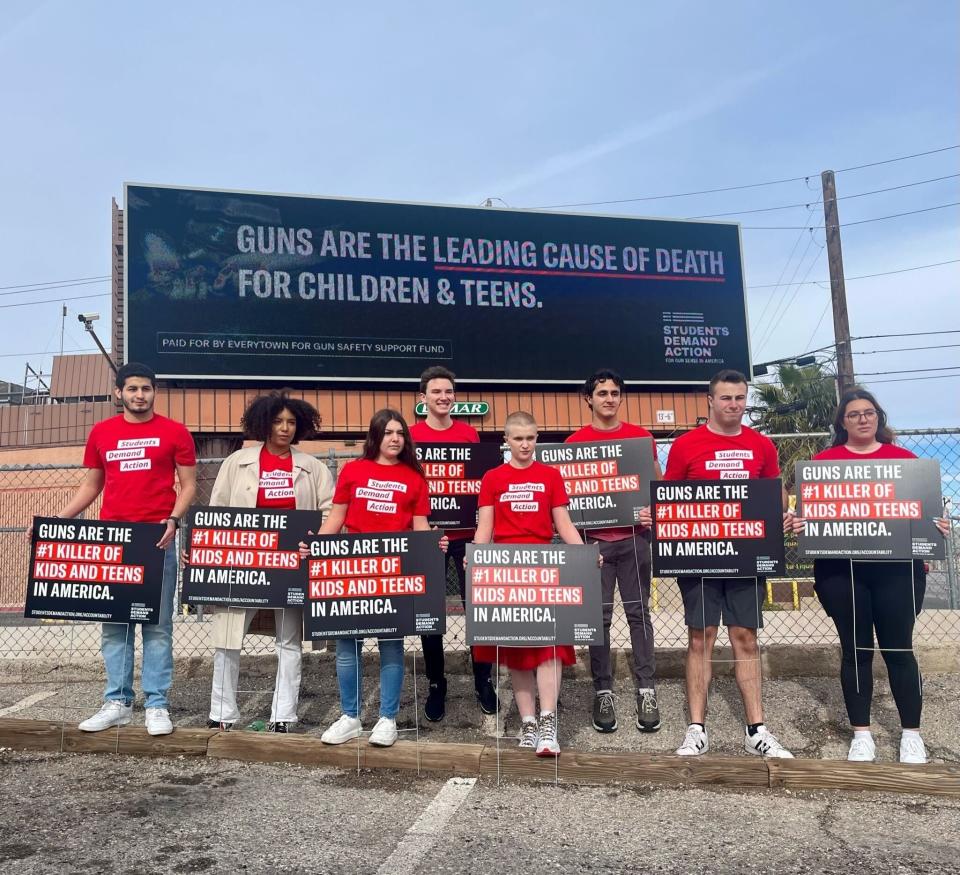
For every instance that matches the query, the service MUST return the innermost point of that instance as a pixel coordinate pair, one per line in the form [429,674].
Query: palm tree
[800,401]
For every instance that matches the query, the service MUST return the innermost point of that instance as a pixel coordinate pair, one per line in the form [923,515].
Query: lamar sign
[460,408]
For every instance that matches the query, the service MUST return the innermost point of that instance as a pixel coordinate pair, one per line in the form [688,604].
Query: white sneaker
[912,751]
[765,744]
[547,745]
[384,733]
[113,713]
[343,730]
[529,735]
[862,750]
[158,721]
[695,742]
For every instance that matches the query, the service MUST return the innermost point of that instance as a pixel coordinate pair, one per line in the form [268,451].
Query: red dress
[519,523]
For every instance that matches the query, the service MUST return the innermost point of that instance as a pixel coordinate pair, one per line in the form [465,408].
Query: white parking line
[427,828]
[27,702]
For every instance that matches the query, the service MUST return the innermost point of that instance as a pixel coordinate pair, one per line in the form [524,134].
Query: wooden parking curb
[575,767]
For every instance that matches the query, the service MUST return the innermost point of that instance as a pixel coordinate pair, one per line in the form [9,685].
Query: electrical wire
[866,276]
[848,224]
[807,176]
[54,300]
[75,279]
[819,202]
[905,349]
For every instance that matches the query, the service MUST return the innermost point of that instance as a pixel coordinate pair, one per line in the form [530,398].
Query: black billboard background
[907,539]
[636,459]
[762,557]
[128,603]
[283,588]
[182,282]
[480,458]
[424,614]
[571,624]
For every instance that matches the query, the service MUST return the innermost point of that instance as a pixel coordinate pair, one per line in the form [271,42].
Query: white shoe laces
[548,727]
[861,749]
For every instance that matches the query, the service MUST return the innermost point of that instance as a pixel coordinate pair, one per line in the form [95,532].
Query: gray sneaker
[604,712]
[648,711]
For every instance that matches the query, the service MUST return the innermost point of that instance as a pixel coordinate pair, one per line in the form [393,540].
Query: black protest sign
[95,570]
[532,595]
[871,509]
[386,584]
[718,527]
[246,557]
[607,481]
[453,473]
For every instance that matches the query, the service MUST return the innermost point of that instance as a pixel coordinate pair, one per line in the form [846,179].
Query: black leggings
[879,597]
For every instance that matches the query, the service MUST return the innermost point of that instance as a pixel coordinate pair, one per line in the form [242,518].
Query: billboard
[238,285]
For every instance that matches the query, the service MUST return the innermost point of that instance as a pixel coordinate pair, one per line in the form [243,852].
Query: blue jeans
[350,675]
[117,640]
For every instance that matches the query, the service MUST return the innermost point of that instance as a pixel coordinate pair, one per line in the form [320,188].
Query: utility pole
[838,289]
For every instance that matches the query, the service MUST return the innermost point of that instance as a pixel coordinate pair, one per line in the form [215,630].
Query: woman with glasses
[862,596]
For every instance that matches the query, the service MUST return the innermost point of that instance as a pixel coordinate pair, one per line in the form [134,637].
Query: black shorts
[734,601]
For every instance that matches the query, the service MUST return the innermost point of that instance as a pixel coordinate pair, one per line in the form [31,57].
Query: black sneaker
[436,705]
[648,712]
[604,712]
[221,725]
[487,697]
[279,726]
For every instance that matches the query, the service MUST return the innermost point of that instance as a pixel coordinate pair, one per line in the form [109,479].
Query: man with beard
[131,458]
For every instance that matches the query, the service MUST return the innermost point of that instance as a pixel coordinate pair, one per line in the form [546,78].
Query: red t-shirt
[381,498]
[702,454]
[458,433]
[884,451]
[139,462]
[623,431]
[522,500]
[276,481]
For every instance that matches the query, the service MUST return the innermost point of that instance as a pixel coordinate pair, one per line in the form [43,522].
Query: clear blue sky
[537,104]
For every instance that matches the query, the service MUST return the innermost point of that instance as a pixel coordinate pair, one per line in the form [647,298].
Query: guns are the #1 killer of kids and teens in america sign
[533,594]
[95,570]
[607,481]
[718,527]
[877,508]
[384,584]
[453,473]
[246,557]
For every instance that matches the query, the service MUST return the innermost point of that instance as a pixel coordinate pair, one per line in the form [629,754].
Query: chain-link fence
[792,614]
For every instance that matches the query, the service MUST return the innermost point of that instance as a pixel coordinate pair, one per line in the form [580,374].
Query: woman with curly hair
[272,473]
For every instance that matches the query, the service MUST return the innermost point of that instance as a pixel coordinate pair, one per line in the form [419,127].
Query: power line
[817,203]
[848,224]
[54,301]
[50,288]
[865,276]
[907,334]
[901,158]
[916,379]
[909,371]
[75,279]
[783,271]
[9,355]
[805,177]
[905,349]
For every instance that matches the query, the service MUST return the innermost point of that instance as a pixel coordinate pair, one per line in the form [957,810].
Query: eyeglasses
[860,415]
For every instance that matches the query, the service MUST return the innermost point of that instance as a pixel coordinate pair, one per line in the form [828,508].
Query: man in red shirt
[438,393]
[131,458]
[724,449]
[626,561]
